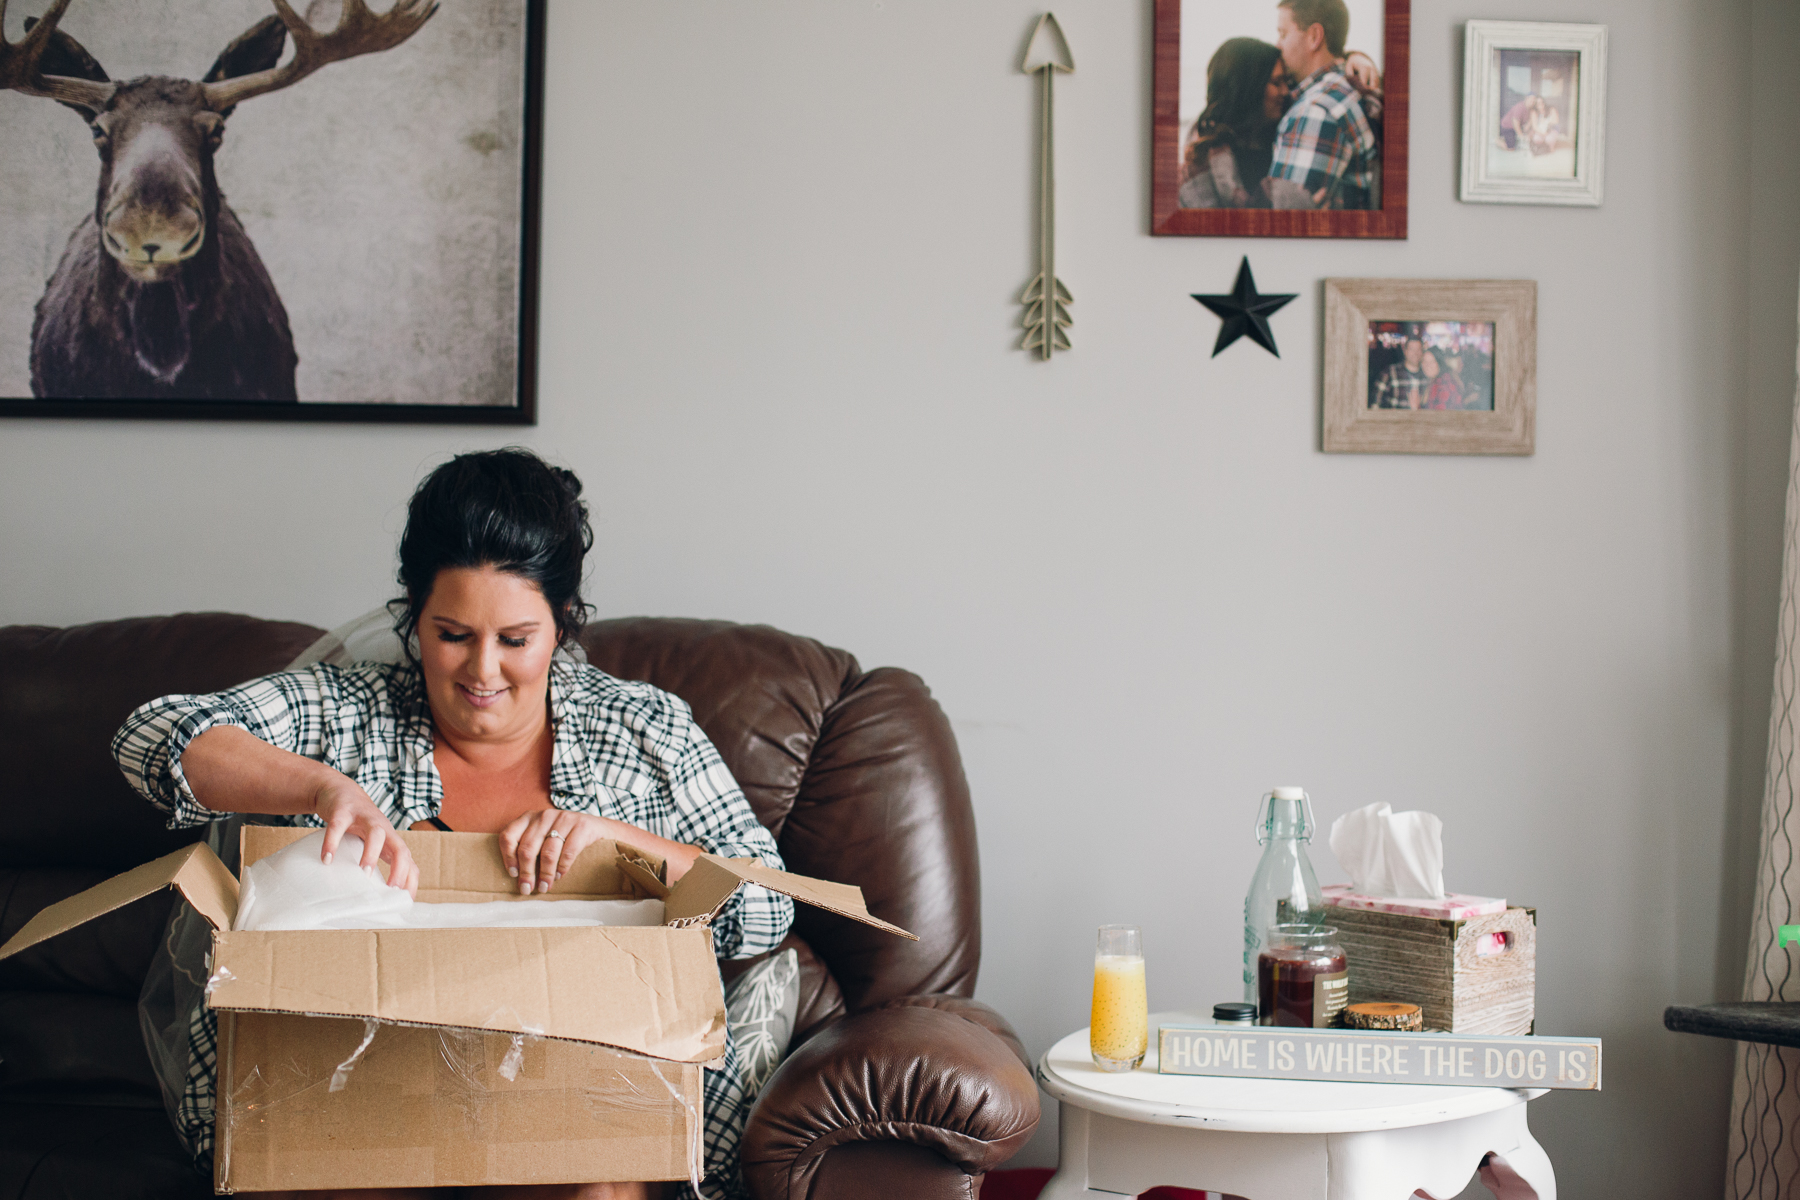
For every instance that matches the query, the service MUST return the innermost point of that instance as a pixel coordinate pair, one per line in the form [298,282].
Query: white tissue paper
[1395,855]
[292,889]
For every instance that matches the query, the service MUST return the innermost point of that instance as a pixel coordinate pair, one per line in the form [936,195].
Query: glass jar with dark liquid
[1302,977]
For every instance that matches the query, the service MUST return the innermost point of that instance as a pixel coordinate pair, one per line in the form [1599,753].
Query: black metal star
[1245,311]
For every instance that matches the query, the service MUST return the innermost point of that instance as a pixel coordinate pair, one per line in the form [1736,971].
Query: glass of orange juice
[1120,1030]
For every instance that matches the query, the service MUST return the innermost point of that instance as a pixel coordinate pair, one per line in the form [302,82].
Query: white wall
[782,245]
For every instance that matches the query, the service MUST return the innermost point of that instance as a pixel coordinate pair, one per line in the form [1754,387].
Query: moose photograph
[268,207]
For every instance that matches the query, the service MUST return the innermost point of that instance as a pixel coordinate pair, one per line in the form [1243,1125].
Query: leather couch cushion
[64,692]
[857,775]
[65,1152]
[108,955]
[69,1046]
[886,806]
[891,1171]
[759,694]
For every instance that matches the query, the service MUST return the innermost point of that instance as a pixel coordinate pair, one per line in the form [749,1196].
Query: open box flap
[194,871]
[652,990]
[702,892]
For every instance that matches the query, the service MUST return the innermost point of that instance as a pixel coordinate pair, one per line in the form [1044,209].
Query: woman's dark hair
[1236,78]
[507,509]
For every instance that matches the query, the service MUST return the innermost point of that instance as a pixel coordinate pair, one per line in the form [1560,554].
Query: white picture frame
[1516,73]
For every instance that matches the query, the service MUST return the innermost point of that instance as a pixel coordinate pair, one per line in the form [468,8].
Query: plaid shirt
[1397,387]
[623,750]
[1325,143]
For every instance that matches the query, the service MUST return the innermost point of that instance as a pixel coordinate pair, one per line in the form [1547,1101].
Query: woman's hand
[1362,71]
[346,808]
[539,848]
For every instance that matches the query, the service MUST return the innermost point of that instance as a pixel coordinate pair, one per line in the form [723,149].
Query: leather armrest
[942,1072]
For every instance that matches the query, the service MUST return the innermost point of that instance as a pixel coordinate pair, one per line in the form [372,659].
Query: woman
[1233,139]
[1433,366]
[480,730]
[1446,391]
[1520,123]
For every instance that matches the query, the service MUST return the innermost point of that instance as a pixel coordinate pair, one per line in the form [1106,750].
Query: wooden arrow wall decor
[1045,298]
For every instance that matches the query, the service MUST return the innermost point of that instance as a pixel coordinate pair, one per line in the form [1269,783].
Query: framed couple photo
[1534,112]
[1280,118]
[1430,366]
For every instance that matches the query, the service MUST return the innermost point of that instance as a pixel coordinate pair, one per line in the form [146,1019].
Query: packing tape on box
[495,1097]
[515,1052]
[340,1078]
[694,1156]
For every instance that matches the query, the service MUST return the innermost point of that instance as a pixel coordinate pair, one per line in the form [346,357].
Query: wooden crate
[1440,966]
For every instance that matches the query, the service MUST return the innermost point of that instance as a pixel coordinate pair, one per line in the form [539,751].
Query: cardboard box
[1471,976]
[459,1057]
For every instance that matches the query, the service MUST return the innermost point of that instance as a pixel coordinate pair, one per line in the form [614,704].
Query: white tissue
[292,889]
[1398,856]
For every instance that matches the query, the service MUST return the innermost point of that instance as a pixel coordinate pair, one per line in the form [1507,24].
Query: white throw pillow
[761,1006]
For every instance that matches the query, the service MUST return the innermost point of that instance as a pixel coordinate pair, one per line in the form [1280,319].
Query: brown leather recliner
[898,1083]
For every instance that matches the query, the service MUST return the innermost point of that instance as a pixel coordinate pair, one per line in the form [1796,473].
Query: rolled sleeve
[712,812]
[148,747]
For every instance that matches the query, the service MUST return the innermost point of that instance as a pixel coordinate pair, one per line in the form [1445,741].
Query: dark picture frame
[504,290]
[1168,218]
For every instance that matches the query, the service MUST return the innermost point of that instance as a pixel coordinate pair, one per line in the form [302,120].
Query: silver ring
[557,834]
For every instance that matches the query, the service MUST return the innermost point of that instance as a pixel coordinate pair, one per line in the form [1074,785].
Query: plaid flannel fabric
[1397,387]
[623,750]
[1324,143]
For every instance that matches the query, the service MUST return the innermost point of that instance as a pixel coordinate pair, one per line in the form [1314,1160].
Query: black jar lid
[1241,1012]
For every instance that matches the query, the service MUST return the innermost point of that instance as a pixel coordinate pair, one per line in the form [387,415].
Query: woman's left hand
[539,848]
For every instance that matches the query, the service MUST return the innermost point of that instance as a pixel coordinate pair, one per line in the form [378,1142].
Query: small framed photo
[1280,118]
[1430,366]
[1534,113]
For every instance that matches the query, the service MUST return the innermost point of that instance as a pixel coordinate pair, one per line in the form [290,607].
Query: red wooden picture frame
[1167,218]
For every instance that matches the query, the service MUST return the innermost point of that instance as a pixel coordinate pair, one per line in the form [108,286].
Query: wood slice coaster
[1383,1014]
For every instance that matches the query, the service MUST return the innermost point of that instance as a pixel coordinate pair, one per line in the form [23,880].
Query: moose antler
[19,65]
[358,31]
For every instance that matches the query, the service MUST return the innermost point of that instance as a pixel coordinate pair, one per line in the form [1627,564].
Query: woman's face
[1430,365]
[1275,95]
[485,642]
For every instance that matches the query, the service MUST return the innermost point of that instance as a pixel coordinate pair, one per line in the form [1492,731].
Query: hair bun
[567,478]
[507,509]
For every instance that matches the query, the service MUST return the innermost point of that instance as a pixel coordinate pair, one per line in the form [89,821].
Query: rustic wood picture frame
[1168,218]
[478,173]
[1352,427]
[1483,94]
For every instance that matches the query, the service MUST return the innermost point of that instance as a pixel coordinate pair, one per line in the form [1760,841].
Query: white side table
[1280,1139]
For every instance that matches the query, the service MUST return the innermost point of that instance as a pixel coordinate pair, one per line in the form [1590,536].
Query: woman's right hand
[1362,71]
[346,808]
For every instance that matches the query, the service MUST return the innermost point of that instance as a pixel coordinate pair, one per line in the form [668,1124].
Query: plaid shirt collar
[1318,79]
[421,790]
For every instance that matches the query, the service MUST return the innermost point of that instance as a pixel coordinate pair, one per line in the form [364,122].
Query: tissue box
[1453,907]
[1477,975]
[455,1057]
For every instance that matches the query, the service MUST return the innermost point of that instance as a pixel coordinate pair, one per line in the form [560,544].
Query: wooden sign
[1368,1056]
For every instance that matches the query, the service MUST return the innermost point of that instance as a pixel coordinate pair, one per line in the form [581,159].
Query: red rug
[1026,1182]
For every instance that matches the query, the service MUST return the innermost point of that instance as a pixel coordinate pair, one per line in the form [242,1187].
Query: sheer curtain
[1765,1101]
